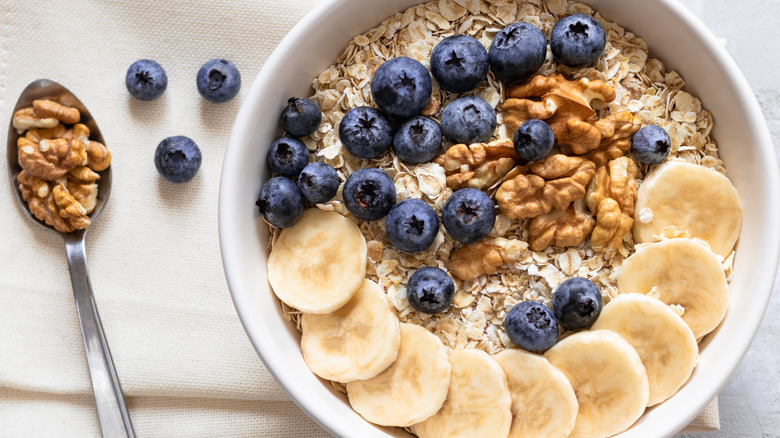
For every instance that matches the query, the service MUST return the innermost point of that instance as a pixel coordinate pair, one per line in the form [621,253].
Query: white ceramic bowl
[673,34]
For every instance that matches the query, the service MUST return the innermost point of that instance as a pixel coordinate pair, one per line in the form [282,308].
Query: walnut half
[479,165]
[485,257]
[611,197]
[560,228]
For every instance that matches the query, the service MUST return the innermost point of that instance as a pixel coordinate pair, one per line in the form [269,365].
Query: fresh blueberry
[577,303]
[288,156]
[177,159]
[577,40]
[651,144]
[468,120]
[301,117]
[411,225]
[417,140]
[401,87]
[146,80]
[369,194]
[430,290]
[365,132]
[517,52]
[218,80]
[468,215]
[534,140]
[280,202]
[318,182]
[531,326]
[459,63]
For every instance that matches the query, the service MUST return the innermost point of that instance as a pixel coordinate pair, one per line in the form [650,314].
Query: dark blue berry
[280,202]
[577,40]
[468,215]
[459,63]
[430,290]
[318,182]
[534,139]
[288,156]
[651,144]
[369,194]
[365,132]
[468,120]
[301,117]
[417,140]
[517,52]
[531,326]
[218,80]
[401,87]
[577,303]
[411,225]
[146,80]
[177,159]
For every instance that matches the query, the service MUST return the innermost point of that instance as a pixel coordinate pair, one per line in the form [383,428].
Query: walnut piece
[616,131]
[52,203]
[44,114]
[485,257]
[611,197]
[479,165]
[569,227]
[98,155]
[51,159]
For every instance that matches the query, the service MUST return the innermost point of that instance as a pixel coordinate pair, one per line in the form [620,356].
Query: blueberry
[318,182]
[401,87]
[651,144]
[468,120]
[417,140]
[146,80]
[365,132]
[280,202]
[459,63]
[517,52]
[301,117]
[430,290]
[411,225]
[577,40]
[369,194]
[531,326]
[577,303]
[534,140]
[468,215]
[288,156]
[218,80]
[177,159]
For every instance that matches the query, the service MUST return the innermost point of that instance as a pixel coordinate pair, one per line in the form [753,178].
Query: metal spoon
[111,409]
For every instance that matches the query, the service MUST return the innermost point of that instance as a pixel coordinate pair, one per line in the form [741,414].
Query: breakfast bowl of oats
[500,217]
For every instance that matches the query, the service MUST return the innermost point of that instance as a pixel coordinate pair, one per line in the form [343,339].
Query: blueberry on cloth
[218,80]
[411,225]
[651,144]
[577,303]
[459,63]
[280,202]
[301,117]
[517,52]
[417,140]
[577,40]
[531,326]
[318,182]
[401,87]
[430,290]
[288,156]
[177,159]
[146,80]
[468,120]
[534,139]
[468,215]
[369,194]
[365,132]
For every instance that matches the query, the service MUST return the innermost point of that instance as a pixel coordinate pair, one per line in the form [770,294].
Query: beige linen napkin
[185,363]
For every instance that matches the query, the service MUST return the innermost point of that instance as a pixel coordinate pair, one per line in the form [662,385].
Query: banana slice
[683,272]
[543,401]
[692,198]
[664,342]
[478,403]
[608,378]
[319,263]
[356,342]
[412,389]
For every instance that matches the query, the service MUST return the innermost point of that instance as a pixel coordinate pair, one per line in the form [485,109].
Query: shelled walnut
[611,196]
[479,165]
[561,228]
[485,257]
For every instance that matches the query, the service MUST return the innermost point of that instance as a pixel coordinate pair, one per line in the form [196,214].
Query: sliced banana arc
[356,342]
[683,272]
[319,263]
[689,197]
[478,403]
[543,400]
[608,377]
[412,389]
[664,342]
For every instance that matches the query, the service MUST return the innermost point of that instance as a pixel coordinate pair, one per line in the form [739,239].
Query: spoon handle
[111,408]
